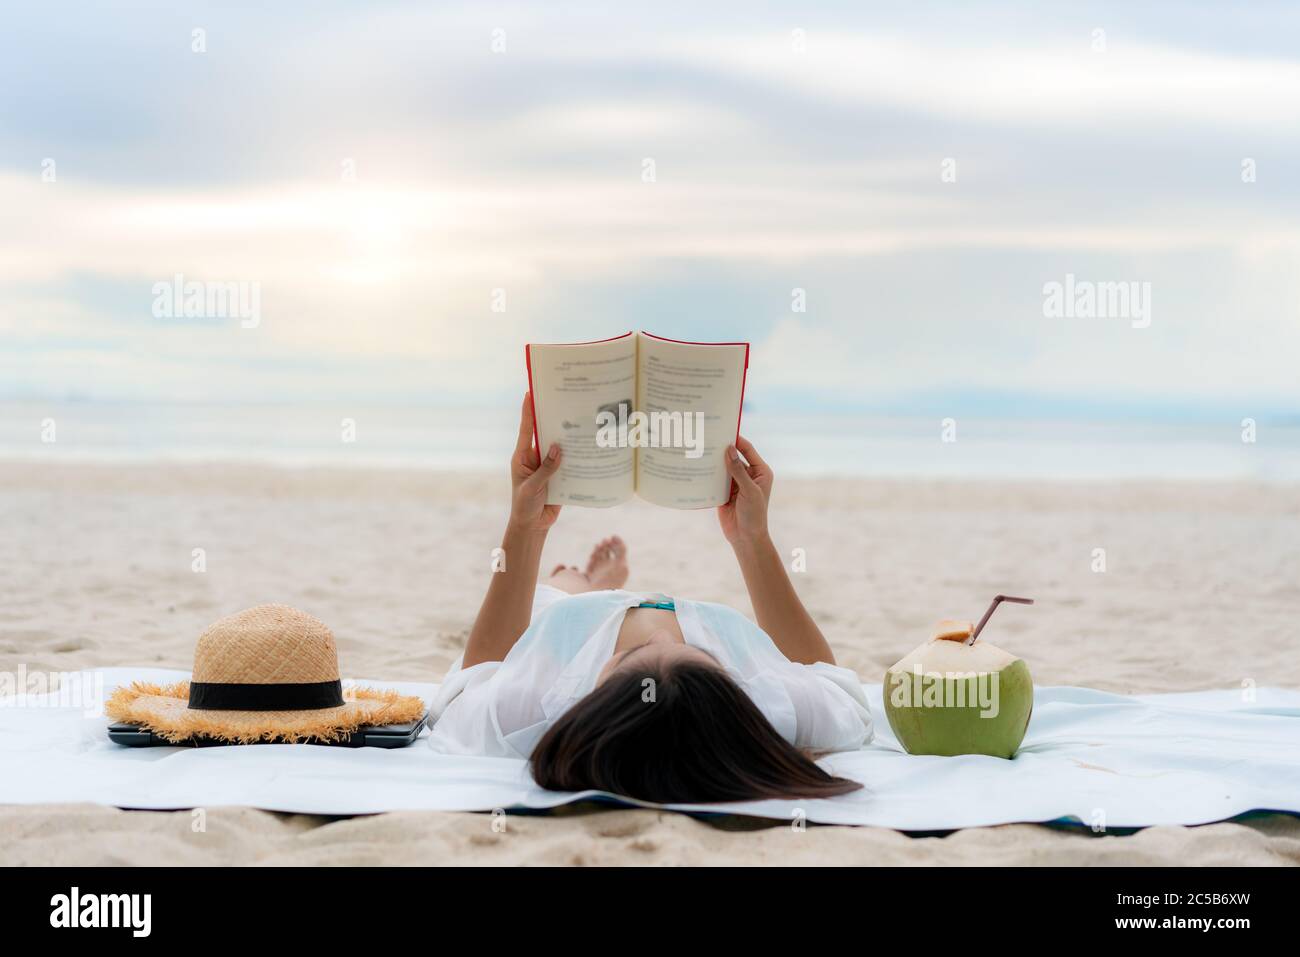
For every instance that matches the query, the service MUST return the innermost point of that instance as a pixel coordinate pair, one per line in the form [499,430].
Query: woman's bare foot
[607,566]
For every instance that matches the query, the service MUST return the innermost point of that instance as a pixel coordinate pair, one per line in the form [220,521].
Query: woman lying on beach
[671,701]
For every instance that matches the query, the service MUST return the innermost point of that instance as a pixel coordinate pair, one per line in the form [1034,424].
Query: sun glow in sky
[387,172]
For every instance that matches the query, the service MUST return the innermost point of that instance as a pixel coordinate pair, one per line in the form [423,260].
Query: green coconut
[950,696]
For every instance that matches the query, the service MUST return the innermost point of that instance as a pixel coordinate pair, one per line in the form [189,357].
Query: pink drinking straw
[988,614]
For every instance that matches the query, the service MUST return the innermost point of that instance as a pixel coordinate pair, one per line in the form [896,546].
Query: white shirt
[502,708]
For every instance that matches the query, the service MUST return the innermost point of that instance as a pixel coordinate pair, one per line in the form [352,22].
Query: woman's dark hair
[693,736]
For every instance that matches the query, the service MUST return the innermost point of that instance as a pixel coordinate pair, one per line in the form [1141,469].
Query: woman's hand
[529,475]
[744,517]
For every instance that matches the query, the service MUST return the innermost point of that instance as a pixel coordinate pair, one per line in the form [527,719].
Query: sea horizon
[809,444]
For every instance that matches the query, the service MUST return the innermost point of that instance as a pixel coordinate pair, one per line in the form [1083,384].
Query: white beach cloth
[1090,757]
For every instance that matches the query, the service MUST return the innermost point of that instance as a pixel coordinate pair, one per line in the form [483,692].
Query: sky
[875,195]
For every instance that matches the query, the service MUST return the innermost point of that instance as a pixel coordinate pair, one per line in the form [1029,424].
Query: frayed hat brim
[164,710]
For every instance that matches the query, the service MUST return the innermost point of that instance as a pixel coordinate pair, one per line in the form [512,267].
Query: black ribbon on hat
[296,696]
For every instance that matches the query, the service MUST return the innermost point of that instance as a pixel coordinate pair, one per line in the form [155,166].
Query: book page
[571,385]
[707,381]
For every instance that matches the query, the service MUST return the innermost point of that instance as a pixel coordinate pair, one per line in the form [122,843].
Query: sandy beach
[1200,590]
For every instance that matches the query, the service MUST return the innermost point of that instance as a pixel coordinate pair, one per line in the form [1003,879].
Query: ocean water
[477,438]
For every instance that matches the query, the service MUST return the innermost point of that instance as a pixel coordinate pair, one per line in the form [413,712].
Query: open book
[638,415]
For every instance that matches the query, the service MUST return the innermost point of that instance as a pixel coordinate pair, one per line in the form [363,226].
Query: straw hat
[270,673]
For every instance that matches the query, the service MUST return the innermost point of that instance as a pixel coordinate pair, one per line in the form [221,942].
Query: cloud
[1052,82]
[522,171]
